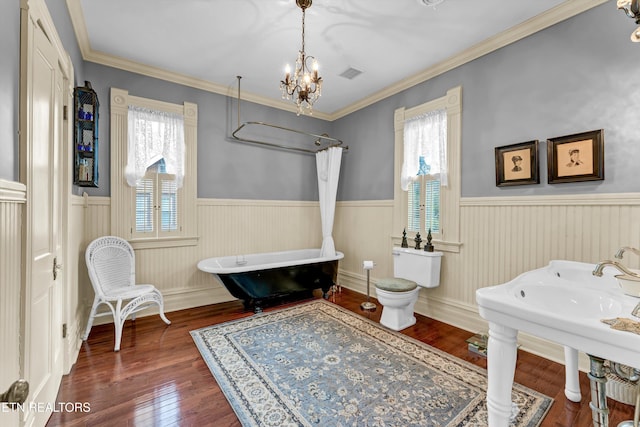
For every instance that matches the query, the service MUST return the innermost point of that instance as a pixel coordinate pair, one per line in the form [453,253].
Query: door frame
[35,13]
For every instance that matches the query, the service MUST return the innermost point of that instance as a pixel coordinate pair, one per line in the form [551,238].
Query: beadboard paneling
[362,231]
[501,238]
[12,199]
[225,227]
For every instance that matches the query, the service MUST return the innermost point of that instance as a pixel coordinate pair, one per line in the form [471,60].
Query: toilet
[412,269]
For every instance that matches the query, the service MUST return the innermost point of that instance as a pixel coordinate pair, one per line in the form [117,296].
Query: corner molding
[564,11]
[12,191]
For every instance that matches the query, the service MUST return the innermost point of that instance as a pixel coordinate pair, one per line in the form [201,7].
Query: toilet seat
[396,284]
[397,297]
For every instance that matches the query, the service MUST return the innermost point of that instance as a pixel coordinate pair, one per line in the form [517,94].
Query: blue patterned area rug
[317,364]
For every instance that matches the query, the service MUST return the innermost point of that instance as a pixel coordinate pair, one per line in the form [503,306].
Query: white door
[40,171]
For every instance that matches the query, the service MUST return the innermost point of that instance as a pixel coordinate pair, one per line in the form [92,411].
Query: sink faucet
[624,249]
[621,268]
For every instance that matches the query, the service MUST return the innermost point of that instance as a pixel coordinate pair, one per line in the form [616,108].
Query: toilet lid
[396,284]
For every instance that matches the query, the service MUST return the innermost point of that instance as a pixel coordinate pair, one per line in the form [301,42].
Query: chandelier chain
[304,9]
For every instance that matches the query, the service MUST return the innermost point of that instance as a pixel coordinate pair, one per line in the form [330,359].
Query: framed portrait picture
[517,164]
[575,158]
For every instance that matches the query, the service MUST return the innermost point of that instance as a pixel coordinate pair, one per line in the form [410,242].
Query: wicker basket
[621,389]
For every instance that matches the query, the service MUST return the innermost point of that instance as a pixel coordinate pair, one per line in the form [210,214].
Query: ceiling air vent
[350,73]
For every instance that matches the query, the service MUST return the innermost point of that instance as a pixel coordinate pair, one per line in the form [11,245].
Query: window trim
[449,239]
[122,199]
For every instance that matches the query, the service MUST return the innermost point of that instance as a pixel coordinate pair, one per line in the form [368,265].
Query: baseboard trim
[465,317]
[180,299]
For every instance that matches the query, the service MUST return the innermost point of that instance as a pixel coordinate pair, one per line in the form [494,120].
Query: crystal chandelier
[306,86]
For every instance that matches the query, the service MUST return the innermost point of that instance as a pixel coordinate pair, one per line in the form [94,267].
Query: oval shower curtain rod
[319,139]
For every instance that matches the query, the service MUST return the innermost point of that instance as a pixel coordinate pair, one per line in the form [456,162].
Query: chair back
[111,264]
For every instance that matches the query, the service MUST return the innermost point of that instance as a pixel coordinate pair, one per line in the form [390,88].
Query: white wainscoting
[12,200]
[501,238]
[225,227]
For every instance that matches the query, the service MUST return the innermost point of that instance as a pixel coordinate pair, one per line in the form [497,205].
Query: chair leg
[118,323]
[92,315]
[161,308]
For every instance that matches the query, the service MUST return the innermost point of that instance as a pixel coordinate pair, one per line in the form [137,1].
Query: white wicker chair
[111,264]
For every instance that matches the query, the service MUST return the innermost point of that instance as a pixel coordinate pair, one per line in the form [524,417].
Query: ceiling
[396,44]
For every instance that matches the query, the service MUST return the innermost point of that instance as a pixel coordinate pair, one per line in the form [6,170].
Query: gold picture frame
[575,158]
[517,164]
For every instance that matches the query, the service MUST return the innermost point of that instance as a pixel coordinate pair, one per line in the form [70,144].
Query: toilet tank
[420,266]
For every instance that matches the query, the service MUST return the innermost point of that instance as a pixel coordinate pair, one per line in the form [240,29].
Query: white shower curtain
[328,165]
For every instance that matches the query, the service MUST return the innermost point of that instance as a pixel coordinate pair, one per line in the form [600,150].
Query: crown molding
[90,55]
[551,17]
[564,11]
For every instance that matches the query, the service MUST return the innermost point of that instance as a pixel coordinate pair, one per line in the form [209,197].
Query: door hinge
[65,112]
[64,330]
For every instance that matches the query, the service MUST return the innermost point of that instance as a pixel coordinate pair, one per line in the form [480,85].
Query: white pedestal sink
[564,303]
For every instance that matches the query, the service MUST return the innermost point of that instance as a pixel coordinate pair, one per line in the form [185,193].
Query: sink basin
[629,286]
[574,302]
[580,274]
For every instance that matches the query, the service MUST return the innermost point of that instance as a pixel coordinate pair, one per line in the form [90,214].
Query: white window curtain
[328,166]
[154,135]
[425,142]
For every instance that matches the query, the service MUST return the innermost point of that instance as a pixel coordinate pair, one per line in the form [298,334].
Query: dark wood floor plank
[159,378]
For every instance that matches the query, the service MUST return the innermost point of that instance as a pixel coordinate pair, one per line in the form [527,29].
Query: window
[157,203]
[423,206]
[153,203]
[424,169]
[427,187]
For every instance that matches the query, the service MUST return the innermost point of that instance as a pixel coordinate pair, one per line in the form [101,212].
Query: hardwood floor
[159,379]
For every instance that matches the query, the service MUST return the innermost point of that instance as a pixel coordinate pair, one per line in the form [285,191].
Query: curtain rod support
[319,139]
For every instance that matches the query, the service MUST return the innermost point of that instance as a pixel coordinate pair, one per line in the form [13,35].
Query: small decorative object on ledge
[404,243]
[429,247]
[86,136]
[418,240]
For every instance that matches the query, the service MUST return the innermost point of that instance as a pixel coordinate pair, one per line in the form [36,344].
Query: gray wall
[10,76]
[9,88]
[226,169]
[576,76]
[61,19]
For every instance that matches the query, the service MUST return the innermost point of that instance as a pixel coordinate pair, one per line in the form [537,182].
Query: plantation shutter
[144,206]
[168,204]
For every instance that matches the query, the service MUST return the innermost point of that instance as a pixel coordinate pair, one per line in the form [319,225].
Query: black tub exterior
[268,287]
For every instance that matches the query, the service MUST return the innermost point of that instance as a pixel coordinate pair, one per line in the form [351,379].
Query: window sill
[166,242]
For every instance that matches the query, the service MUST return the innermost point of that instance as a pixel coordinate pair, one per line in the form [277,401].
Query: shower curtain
[328,165]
